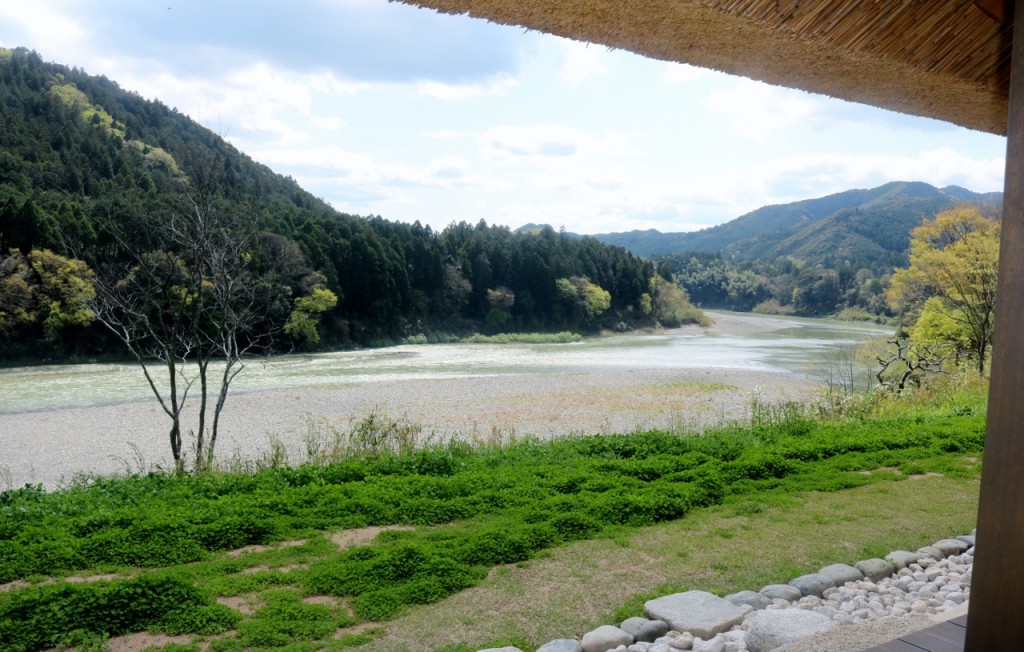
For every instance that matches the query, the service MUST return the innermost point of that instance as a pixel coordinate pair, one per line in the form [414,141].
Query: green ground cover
[165,540]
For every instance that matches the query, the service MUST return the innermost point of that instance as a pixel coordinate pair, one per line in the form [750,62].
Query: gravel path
[46,447]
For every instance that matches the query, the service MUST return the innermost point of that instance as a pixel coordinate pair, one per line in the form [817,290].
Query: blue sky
[386,109]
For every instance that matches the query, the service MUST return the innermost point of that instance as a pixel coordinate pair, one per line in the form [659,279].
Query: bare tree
[177,288]
[908,361]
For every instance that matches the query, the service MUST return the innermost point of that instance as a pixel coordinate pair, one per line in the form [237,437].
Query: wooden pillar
[995,621]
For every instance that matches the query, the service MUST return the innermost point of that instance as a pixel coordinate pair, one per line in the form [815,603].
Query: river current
[810,348]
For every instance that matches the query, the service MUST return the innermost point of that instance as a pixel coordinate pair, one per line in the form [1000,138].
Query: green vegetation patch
[477,508]
[157,156]
[71,96]
[45,616]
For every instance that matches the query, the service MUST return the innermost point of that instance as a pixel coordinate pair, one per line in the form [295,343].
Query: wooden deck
[944,637]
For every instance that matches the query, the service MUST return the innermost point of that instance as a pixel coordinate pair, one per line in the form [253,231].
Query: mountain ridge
[873,222]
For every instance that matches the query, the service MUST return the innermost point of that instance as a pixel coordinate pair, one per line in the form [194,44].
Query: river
[59,420]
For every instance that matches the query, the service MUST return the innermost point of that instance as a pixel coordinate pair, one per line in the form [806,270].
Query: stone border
[904,590]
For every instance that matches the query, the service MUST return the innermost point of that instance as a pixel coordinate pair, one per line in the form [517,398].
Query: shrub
[378,606]
[494,547]
[286,619]
[148,543]
[42,616]
[572,526]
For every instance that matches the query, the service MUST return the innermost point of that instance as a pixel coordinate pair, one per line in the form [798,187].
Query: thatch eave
[942,59]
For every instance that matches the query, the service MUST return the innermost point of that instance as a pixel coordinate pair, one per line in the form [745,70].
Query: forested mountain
[81,159]
[813,257]
[869,225]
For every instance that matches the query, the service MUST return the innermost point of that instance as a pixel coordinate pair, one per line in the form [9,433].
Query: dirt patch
[266,569]
[142,640]
[16,584]
[73,579]
[101,577]
[362,536]
[245,604]
[328,600]
[246,550]
[922,476]
[886,469]
[339,605]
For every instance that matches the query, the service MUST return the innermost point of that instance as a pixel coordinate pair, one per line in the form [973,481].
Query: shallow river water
[62,420]
[807,348]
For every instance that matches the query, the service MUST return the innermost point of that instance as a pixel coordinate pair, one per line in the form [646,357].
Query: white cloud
[442,134]
[341,168]
[537,141]
[330,84]
[327,123]
[582,61]
[756,109]
[835,172]
[448,167]
[50,32]
[256,101]
[497,85]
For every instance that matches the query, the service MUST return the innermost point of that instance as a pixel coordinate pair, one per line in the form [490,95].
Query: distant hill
[864,225]
[820,256]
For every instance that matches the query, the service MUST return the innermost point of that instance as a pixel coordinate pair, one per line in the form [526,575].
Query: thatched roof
[944,59]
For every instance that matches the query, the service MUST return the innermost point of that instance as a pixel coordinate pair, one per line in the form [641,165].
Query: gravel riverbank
[48,446]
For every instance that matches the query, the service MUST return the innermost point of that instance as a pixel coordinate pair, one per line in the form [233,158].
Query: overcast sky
[385,109]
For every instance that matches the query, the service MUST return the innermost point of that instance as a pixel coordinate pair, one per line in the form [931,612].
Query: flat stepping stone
[698,612]
[774,628]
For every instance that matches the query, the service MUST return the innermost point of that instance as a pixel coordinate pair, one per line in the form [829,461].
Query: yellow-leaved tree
[947,295]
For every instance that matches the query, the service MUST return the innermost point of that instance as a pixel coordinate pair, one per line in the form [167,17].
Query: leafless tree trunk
[177,290]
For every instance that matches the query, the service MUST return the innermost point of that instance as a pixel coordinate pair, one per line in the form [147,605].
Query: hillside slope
[76,150]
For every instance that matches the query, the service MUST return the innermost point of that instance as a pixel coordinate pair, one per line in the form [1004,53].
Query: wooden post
[995,621]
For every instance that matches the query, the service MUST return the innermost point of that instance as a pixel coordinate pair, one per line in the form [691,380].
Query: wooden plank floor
[944,637]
